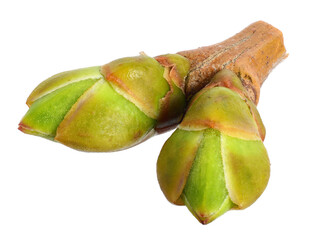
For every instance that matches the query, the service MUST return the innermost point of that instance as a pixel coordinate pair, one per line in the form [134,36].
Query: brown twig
[251,54]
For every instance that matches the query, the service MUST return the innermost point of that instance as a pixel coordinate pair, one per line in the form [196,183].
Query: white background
[48,191]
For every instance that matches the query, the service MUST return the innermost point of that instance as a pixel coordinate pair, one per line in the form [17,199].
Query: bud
[216,161]
[109,108]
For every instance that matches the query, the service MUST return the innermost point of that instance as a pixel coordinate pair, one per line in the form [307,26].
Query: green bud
[106,108]
[215,161]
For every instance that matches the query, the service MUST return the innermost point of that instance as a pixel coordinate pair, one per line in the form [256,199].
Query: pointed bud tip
[23,127]
[203,219]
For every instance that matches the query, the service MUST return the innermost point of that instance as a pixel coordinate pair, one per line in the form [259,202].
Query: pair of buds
[213,162]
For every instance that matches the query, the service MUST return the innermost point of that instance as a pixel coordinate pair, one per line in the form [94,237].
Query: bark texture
[251,54]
